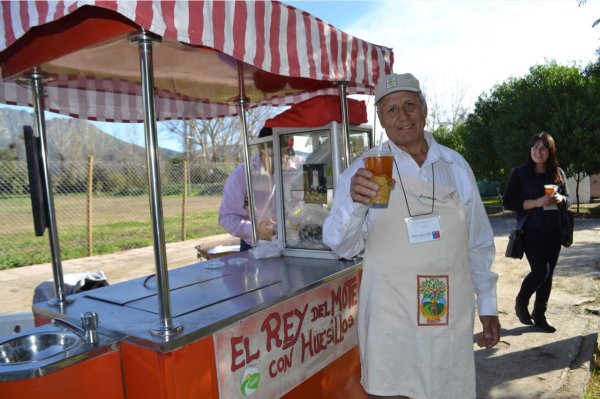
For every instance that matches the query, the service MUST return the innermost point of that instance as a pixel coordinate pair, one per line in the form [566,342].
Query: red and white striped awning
[288,56]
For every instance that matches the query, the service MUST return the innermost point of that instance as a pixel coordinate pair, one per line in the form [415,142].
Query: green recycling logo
[250,381]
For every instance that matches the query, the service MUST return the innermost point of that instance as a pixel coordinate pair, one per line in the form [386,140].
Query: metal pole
[166,327]
[184,200]
[345,124]
[373,132]
[90,205]
[242,101]
[35,79]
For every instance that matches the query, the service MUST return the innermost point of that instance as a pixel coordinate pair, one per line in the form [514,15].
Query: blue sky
[338,13]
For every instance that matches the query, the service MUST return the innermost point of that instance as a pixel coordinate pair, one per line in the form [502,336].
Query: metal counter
[205,296]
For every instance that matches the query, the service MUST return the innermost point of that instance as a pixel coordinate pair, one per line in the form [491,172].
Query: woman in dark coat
[538,214]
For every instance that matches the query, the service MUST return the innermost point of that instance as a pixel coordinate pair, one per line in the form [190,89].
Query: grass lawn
[119,223]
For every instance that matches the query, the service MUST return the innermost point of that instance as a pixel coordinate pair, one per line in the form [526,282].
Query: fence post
[90,200]
[185,198]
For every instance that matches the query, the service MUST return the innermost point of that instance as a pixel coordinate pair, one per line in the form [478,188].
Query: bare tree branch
[218,139]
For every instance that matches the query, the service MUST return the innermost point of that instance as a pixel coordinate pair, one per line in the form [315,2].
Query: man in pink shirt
[234,215]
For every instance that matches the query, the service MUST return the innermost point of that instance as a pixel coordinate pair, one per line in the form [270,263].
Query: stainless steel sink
[37,346]
[51,347]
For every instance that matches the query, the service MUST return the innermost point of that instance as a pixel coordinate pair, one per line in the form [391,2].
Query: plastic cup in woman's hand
[550,189]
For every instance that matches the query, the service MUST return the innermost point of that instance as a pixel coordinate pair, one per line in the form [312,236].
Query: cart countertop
[205,297]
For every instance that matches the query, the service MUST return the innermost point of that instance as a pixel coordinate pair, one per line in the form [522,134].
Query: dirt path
[528,363]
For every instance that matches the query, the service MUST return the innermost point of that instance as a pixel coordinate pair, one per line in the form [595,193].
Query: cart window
[307,181]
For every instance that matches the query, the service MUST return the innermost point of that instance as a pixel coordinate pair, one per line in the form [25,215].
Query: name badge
[423,229]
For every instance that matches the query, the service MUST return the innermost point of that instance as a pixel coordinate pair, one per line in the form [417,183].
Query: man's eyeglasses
[408,107]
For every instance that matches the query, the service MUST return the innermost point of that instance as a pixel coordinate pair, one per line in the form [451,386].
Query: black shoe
[539,318]
[522,312]
[544,325]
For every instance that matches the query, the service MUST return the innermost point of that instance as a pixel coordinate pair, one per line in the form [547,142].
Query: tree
[445,123]
[219,139]
[449,137]
[596,22]
[447,116]
[562,100]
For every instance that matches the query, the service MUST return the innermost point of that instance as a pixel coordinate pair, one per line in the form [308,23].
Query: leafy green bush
[172,189]
[210,173]
[131,191]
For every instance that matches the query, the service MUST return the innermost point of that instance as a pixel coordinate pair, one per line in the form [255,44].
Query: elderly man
[417,296]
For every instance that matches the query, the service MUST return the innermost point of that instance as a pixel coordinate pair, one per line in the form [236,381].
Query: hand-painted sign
[271,352]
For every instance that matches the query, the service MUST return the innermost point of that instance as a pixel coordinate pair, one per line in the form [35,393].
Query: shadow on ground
[496,371]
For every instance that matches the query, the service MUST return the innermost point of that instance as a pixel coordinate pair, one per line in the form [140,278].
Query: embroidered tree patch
[433,300]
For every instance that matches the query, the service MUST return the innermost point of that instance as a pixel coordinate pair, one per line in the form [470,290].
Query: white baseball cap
[396,82]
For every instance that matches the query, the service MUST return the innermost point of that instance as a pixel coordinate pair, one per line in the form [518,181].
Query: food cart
[236,326]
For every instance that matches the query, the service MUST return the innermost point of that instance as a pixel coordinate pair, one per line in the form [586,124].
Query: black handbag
[567,221]
[514,249]
[515,244]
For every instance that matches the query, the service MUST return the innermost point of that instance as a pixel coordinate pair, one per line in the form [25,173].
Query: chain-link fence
[104,207]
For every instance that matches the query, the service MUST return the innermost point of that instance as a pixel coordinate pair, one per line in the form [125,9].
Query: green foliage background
[561,100]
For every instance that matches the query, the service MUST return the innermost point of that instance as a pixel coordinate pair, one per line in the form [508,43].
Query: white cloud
[474,45]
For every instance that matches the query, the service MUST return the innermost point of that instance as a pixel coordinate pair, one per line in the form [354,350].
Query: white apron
[412,345]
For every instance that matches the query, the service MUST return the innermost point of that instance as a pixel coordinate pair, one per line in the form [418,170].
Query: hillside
[72,139]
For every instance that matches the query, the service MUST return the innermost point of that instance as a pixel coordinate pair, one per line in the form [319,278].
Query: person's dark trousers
[244,246]
[542,249]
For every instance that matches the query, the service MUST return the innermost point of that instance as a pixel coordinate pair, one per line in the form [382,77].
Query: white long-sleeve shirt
[347,226]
